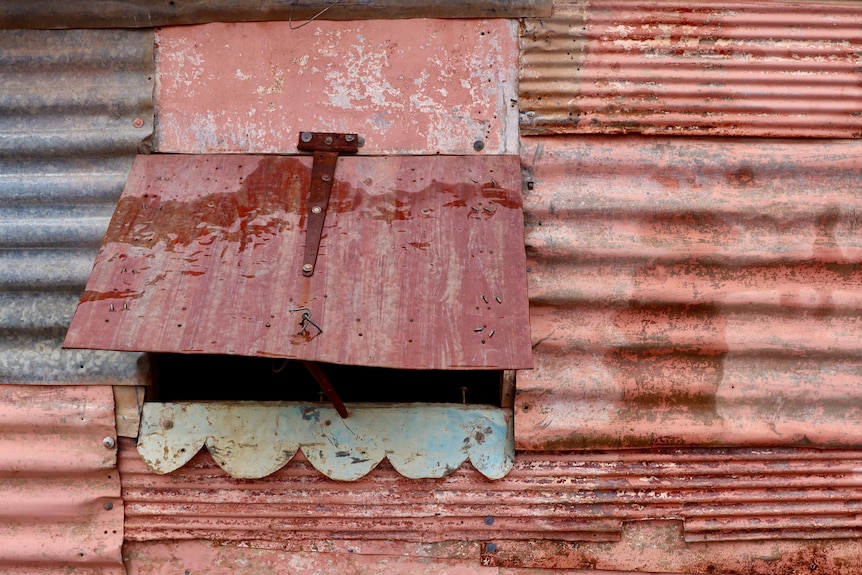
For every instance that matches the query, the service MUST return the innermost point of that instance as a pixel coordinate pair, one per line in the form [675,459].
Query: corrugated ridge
[692,292]
[754,69]
[59,486]
[720,494]
[75,107]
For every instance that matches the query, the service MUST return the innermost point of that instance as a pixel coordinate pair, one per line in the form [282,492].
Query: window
[420,266]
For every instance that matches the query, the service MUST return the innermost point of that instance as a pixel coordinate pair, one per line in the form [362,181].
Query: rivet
[108,505]
[328,140]
[307,267]
[306,137]
[349,138]
[478,145]
[325,177]
[168,424]
[138,122]
[108,442]
[316,210]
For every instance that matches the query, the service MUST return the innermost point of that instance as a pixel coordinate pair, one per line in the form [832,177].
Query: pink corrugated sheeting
[717,495]
[59,486]
[412,86]
[692,292]
[694,68]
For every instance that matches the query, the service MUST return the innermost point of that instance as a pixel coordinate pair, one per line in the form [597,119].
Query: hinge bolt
[306,137]
[348,137]
[307,267]
[328,140]
[316,210]
[108,442]
[325,177]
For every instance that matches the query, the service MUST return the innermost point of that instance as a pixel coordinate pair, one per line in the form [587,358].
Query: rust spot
[90,295]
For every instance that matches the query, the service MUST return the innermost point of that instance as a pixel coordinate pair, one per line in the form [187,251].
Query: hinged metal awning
[421,263]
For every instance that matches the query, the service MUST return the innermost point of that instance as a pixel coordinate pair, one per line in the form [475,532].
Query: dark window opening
[201,377]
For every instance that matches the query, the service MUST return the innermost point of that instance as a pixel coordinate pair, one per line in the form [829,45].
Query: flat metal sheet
[252,440]
[421,264]
[412,87]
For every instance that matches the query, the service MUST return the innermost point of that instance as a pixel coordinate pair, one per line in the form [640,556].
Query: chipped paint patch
[253,440]
[423,86]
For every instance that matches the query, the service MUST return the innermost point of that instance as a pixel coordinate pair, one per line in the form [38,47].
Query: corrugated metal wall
[75,107]
[60,506]
[693,68]
[692,291]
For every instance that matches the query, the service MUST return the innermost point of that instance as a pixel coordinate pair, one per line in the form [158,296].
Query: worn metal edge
[51,14]
[250,440]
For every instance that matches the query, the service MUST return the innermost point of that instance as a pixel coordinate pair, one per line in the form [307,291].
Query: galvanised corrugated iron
[693,68]
[75,107]
[726,507]
[692,291]
[60,506]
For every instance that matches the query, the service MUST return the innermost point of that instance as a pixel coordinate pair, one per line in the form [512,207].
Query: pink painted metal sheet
[60,506]
[415,86]
[694,68]
[692,291]
[551,510]
[421,264]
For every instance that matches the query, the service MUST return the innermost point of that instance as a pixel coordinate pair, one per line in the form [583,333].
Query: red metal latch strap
[326,148]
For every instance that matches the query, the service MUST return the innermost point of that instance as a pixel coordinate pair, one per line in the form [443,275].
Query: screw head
[168,424]
[108,442]
[328,140]
[108,505]
[360,142]
[306,137]
[325,177]
[307,267]
[489,520]
[349,138]
[316,210]
[478,145]
[138,122]
[490,547]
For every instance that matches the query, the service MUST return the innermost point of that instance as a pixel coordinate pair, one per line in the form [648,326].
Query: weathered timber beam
[59,14]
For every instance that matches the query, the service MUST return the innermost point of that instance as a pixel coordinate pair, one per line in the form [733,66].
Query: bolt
[349,138]
[478,145]
[168,424]
[489,520]
[316,210]
[306,137]
[138,122]
[328,140]
[108,442]
[108,505]
[325,177]
[307,267]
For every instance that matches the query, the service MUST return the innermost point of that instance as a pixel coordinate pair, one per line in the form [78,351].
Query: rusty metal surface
[693,68]
[728,496]
[252,440]
[421,266]
[692,291]
[60,506]
[415,87]
[147,14]
[69,101]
